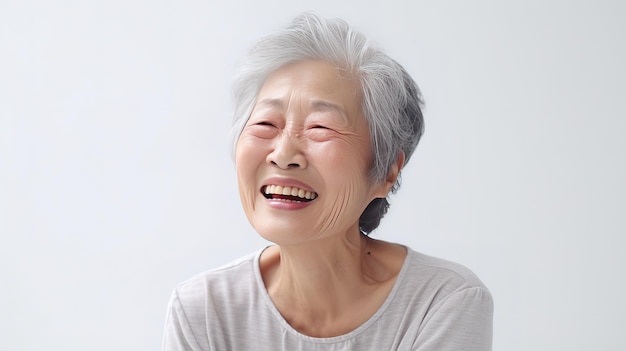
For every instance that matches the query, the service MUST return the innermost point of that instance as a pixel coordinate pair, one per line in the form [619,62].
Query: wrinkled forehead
[320,85]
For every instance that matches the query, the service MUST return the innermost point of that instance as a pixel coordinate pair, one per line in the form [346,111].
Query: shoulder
[202,303]
[454,308]
[450,307]
[224,282]
[438,280]
[441,270]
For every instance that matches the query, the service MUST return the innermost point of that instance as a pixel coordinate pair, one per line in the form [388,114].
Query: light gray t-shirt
[434,305]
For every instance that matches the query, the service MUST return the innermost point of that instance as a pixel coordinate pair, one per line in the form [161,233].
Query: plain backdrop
[116,177]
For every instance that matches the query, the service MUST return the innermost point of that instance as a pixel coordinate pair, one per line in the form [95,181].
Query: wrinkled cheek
[343,210]
[247,191]
[245,181]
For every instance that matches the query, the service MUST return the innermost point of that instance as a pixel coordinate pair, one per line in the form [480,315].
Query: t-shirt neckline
[334,339]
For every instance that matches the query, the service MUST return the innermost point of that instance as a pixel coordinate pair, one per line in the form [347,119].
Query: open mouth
[288,193]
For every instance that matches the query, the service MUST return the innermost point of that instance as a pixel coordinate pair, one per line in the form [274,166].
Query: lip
[287,205]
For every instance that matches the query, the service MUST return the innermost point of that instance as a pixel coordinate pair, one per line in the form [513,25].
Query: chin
[282,236]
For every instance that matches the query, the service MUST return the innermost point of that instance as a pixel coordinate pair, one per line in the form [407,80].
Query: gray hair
[391,100]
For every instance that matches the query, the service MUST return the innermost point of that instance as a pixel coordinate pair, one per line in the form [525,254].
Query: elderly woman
[325,124]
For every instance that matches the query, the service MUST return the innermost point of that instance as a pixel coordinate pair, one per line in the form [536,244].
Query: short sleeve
[462,321]
[178,335]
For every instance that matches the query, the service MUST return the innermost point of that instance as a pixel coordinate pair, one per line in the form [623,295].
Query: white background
[116,180]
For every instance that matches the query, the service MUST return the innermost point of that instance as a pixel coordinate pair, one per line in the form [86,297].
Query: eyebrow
[316,105]
[271,102]
[320,105]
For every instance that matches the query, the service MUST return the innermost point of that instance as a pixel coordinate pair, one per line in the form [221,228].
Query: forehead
[319,83]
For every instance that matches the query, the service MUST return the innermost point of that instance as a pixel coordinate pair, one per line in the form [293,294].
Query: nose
[287,152]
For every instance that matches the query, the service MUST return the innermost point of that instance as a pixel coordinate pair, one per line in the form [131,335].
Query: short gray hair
[391,102]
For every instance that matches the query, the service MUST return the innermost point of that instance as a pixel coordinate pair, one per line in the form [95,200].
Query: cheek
[249,154]
[347,156]
[345,170]
[343,208]
[248,158]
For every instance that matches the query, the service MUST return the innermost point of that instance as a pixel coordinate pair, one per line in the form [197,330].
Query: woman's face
[304,155]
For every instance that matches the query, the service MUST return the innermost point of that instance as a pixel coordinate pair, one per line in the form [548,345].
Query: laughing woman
[325,122]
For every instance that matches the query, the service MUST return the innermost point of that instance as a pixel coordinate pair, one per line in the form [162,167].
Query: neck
[324,267]
[317,284]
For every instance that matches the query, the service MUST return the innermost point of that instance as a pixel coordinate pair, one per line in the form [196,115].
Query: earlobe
[394,171]
[392,176]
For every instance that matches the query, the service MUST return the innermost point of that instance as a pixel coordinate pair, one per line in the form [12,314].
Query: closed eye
[262,129]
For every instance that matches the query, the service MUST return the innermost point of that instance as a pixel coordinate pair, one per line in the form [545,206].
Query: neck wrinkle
[319,279]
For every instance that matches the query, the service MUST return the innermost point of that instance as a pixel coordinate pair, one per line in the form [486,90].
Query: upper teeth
[290,190]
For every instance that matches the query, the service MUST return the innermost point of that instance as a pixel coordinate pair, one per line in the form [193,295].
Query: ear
[392,175]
